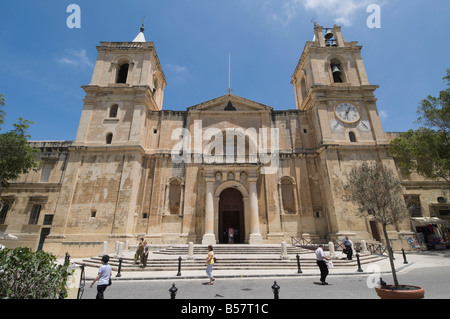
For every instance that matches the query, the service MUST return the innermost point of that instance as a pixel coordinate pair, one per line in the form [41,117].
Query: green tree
[427,149]
[31,275]
[377,192]
[16,155]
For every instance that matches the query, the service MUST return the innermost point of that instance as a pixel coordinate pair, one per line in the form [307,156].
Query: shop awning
[428,220]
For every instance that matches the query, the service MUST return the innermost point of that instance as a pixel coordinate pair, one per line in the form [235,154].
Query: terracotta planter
[404,292]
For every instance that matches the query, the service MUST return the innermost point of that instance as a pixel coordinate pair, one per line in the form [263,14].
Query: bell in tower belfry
[328,33]
[336,74]
[335,69]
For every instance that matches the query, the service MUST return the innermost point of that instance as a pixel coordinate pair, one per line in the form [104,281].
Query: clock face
[364,125]
[336,125]
[347,112]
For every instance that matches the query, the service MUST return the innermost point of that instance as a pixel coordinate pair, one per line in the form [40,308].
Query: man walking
[103,277]
[320,256]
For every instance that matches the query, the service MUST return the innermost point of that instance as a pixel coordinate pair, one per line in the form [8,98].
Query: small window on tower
[109,138]
[113,111]
[352,137]
[123,73]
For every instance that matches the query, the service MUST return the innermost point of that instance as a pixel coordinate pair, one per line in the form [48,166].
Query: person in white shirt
[103,277]
[320,256]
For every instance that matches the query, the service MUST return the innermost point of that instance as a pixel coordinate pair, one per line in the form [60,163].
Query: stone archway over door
[231,215]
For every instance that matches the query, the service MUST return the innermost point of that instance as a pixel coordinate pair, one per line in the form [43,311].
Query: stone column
[255,235]
[209,238]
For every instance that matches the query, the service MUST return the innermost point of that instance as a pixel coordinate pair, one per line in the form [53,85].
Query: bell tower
[330,82]
[333,91]
[127,82]
[106,162]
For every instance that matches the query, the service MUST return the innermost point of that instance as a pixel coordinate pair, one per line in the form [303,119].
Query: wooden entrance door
[374,229]
[231,216]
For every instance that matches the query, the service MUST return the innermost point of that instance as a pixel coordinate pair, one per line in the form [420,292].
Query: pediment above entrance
[230,103]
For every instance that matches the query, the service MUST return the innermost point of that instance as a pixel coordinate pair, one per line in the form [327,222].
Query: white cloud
[342,11]
[284,14]
[383,114]
[77,58]
[177,68]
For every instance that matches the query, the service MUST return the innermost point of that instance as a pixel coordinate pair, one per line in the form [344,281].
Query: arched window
[113,111]
[122,73]
[109,138]
[287,195]
[352,137]
[174,197]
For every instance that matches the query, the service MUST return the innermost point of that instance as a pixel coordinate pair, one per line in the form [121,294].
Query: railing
[302,242]
[339,246]
[376,249]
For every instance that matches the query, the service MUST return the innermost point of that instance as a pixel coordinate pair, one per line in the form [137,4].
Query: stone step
[231,249]
[225,263]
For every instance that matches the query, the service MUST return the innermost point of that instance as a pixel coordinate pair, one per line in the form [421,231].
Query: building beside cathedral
[228,170]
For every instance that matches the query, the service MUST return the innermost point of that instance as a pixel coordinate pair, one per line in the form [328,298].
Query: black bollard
[179,266]
[359,263]
[173,291]
[120,267]
[298,265]
[81,283]
[276,290]
[404,257]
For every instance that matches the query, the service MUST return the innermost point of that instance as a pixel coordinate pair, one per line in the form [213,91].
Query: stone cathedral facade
[228,170]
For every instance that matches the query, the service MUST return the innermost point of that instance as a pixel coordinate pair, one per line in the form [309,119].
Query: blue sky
[44,62]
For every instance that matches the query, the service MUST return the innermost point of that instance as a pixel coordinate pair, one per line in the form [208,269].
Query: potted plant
[377,192]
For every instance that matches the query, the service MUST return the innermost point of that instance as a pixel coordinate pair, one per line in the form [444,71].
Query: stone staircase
[237,249]
[229,257]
